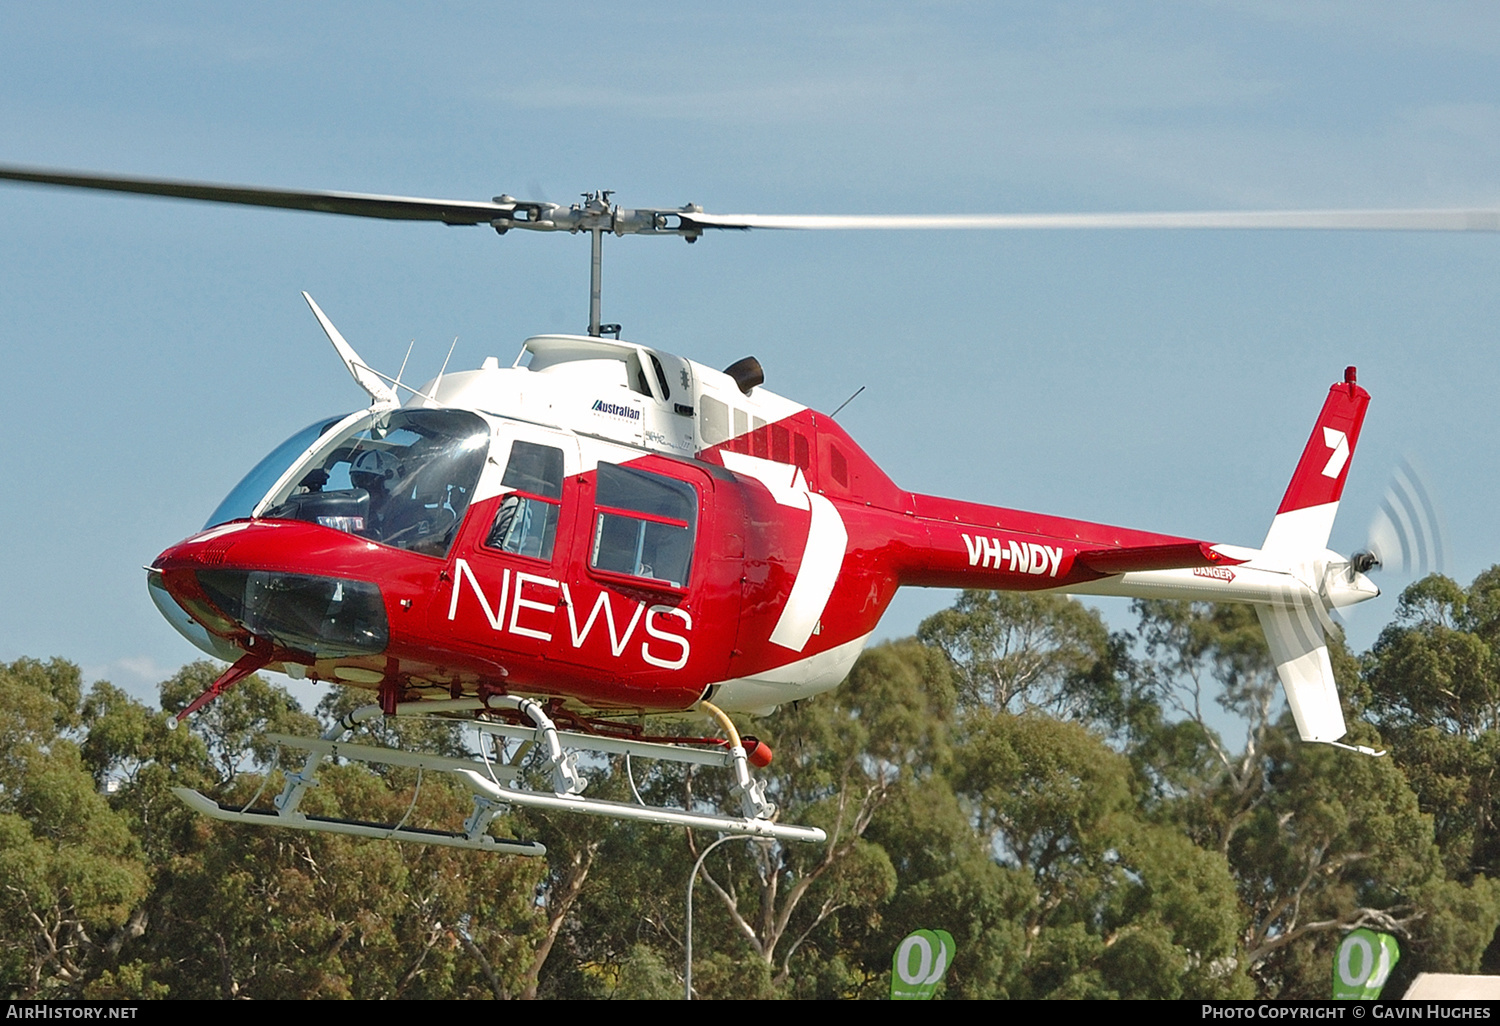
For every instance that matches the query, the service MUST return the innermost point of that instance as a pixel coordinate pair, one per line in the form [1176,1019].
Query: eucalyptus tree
[72,876]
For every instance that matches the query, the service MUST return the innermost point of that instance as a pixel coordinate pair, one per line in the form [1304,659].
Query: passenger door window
[644,525]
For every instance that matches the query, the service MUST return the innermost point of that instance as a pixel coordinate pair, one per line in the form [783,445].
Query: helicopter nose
[183,623]
[229,582]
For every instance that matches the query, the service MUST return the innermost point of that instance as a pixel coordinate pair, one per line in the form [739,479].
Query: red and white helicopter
[553,549]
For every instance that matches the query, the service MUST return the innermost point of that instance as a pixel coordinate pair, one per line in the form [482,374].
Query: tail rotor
[1406,537]
[1406,534]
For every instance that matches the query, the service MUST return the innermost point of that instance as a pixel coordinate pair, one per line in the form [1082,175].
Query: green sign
[1363,963]
[919,964]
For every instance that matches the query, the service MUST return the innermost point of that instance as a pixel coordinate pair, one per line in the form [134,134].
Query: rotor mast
[596,274]
[597,206]
[596,215]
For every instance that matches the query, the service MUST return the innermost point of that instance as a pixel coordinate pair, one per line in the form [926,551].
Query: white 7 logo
[1339,443]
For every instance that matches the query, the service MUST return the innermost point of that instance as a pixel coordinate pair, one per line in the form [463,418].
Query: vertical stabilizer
[1295,545]
[1305,517]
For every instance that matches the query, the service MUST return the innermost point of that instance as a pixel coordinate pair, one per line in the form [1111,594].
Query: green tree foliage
[1014,650]
[1319,841]
[1432,684]
[136,896]
[233,726]
[1434,687]
[791,909]
[267,913]
[1058,798]
[1123,906]
[71,873]
[948,878]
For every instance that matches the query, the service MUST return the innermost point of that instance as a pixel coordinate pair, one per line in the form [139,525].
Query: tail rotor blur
[1407,535]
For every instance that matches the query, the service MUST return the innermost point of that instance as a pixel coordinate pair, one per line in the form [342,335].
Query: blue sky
[156,349]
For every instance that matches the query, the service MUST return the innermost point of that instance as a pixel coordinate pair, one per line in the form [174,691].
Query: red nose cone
[308,590]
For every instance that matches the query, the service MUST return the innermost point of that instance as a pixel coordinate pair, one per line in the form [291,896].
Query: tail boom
[1293,580]
[954,544]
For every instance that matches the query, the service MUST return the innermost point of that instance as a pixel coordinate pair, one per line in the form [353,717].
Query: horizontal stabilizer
[1177,556]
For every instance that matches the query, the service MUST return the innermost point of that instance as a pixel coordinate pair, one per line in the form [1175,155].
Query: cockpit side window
[643,525]
[533,468]
[527,522]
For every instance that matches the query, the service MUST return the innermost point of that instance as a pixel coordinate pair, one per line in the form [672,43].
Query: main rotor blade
[687,221]
[393,208]
[1458,220]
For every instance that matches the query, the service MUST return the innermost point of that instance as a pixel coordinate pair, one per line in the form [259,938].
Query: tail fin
[1305,516]
[1298,537]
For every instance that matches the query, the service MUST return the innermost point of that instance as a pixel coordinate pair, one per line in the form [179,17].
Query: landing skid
[357,828]
[496,785]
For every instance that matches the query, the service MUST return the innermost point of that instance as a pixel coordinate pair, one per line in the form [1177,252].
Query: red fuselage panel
[798,546]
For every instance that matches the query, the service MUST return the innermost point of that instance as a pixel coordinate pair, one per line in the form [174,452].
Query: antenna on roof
[846,402]
[439,380]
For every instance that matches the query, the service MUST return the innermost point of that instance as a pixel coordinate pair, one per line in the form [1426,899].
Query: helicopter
[550,551]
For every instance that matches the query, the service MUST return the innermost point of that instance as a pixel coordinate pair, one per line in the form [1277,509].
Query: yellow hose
[724,720]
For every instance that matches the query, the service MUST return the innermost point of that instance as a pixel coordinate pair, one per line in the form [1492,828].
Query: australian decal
[615,410]
[518,611]
[1218,573]
[1018,557]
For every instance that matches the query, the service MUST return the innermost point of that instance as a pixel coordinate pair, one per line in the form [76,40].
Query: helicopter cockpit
[399,477]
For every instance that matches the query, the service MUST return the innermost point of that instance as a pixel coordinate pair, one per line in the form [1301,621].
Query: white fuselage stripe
[822,556]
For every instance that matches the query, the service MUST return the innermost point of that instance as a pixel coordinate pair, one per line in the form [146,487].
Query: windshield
[402,478]
[240,503]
